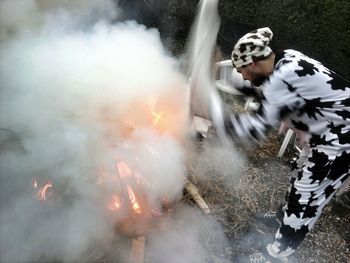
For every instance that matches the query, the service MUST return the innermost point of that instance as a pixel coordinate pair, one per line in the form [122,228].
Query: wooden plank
[193,190]
[137,251]
[201,125]
[285,142]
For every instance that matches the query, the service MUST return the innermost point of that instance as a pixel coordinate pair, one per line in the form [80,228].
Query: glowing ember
[115,203]
[43,192]
[35,184]
[125,178]
[157,118]
[134,203]
[122,194]
[123,188]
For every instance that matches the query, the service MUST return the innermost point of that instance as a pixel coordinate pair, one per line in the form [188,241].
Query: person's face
[247,72]
[251,72]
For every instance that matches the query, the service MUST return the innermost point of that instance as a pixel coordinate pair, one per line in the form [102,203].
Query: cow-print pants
[312,187]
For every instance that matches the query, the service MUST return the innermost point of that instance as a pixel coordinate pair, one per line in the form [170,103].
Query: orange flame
[165,112]
[135,204]
[157,117]
[43,191]
[115,203]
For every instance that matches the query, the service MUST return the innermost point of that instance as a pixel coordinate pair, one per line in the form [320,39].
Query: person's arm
[280,99]
[244,86]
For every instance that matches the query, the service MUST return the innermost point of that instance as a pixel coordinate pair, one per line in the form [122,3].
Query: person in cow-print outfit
[308,97]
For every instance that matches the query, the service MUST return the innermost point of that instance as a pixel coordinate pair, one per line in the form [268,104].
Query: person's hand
[283,128]
[301,136]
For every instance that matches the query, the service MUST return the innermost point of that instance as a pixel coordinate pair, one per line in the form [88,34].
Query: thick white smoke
[20,16]
[76,94]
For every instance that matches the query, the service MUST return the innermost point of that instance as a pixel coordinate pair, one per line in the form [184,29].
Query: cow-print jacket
[308,97]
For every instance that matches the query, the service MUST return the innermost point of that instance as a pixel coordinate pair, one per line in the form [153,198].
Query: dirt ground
[261,187]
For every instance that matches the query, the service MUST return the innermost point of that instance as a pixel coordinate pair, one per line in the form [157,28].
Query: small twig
[271,200]
[193,190]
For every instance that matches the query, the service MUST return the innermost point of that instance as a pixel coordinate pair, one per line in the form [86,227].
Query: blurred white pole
[204,98]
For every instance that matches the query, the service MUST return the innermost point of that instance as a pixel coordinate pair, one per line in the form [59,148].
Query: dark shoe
[258,257]
[269,219]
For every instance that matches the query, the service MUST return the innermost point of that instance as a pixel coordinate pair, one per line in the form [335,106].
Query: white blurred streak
[204,99]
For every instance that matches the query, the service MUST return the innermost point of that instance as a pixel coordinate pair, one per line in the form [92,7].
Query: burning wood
[137,249]
[122,183]
[129,202]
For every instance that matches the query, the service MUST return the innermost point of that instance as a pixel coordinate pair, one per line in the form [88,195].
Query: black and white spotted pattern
[315,100]
[252,47]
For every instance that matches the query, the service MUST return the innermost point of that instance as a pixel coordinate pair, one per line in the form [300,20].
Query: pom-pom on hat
[253,46]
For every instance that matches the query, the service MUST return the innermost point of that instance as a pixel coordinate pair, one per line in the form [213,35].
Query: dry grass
[261,188]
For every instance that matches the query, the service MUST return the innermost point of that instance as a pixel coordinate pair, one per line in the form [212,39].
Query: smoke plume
[82,97]
[78,93]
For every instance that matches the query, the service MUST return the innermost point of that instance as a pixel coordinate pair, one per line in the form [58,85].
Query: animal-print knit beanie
[253,46]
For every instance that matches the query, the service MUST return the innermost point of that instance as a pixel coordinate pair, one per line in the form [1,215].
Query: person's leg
[273,219]
[312,188]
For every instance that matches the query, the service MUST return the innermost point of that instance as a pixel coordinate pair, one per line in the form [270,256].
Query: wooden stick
[137,250]
[193,190]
